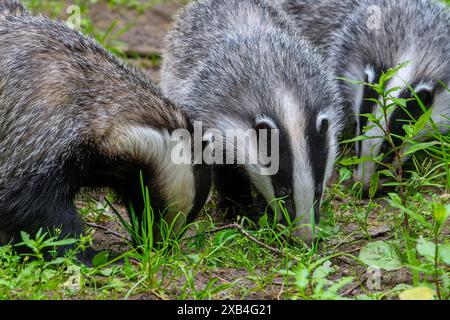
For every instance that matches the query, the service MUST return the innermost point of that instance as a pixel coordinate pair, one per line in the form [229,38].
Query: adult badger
[74,116]
[371,36]
[239,64]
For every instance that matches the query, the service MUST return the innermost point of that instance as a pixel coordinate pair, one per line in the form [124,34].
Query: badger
[12,7]
[74,116]
[318,19]
[365,39]
[241,65]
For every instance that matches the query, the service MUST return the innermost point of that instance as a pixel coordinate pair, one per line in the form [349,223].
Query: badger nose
[304,234]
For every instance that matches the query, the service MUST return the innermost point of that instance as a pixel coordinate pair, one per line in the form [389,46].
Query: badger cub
[364,39]
[74,116]
[240,65]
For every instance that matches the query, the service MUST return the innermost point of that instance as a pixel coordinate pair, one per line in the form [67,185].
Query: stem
[397,153]
[436,265]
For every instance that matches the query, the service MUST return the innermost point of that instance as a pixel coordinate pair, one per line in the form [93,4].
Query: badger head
[302,155]
[425,88]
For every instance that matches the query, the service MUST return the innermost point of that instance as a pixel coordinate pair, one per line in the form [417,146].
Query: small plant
[314,284]
[43,243]
[418,254]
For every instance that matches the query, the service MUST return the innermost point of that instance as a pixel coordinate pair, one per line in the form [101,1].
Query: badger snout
[302,229]
[364,174]
[304,233]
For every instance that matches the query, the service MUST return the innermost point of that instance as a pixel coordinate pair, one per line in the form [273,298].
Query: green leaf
[395,89]
[343,282]
[426,249]
[387,173]
[345,174]
[100,259]
[60,243]
[420,146]
[441,214]
[25,236]
[400,102]
[358,138]
[417,294]
[302,278]
[444,253]
[354,160]
[382,255]
[323,271]
[106,272]
[422,122]
[395,198]
[409,130]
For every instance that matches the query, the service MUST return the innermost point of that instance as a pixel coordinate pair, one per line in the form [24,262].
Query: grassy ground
[366,249]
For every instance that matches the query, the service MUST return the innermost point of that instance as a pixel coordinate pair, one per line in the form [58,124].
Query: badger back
[198,30]
[74,114]
[11,8]
[318,19]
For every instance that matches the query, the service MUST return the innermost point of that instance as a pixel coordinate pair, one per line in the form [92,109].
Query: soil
[145,30]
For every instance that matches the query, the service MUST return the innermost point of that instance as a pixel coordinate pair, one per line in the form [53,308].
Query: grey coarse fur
[12,7]
[408,30]
[420,26]
[72,115]
[231,62]
[207,60]
[318,19]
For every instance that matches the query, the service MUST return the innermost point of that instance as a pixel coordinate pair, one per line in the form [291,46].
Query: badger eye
[426,97]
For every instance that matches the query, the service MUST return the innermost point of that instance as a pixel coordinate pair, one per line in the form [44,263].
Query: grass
[390,247]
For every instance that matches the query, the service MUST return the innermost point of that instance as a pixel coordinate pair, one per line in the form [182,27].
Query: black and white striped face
[307,151]
[179,189]
[430,93]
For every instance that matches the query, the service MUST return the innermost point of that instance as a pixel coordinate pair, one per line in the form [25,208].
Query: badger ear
[263,128]
[322,124]
[264,124]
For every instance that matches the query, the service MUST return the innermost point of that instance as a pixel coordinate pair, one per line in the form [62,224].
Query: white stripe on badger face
[372,147]
[370,72]
[153,146]
[441,111]
[304,186]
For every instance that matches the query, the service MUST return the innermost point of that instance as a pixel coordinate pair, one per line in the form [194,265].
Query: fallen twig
[107,231]
[248,236]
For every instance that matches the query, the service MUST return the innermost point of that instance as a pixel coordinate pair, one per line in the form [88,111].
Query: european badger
[318,19]
[371,36]
[74,116]
[239,64]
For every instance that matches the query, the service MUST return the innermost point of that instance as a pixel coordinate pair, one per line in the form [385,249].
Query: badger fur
[240,64]
[74,116]
[371,37]
[12,7]
[318,19]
